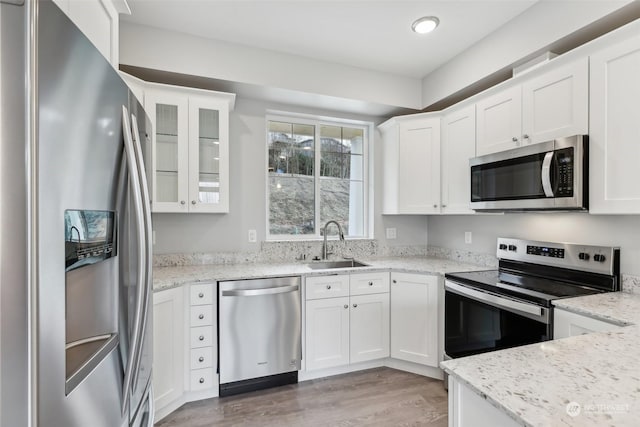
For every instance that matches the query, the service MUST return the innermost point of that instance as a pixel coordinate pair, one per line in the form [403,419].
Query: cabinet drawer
[201,315]
[201,336]
[369,283]
[201,379]
[327,286]
[201,358]
[201,294]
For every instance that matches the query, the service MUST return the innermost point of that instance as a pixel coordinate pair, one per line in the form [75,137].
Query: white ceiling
[370,34]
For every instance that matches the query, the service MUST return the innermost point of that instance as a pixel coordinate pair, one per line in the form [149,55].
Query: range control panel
[545,251]
[597,259]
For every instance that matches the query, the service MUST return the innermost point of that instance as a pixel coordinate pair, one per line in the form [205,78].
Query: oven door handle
[528,310]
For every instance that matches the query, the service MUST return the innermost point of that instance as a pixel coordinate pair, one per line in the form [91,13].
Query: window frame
[367,180]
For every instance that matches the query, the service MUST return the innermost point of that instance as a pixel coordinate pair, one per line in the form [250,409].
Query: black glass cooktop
[528,288]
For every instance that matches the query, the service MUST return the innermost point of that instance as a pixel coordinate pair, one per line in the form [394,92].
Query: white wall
[607,230]
[228,232]
[153,48]
[537,27]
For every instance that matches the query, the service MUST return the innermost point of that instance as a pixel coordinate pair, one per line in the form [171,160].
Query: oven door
[548,175]
[477,321]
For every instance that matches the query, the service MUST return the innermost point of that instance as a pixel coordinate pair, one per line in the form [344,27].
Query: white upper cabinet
[99,21]
[614,134]
[556,104]
[458,146]
[169,113]
[551,105]
[191,149]
[208,155]
[499,121]
[412,166]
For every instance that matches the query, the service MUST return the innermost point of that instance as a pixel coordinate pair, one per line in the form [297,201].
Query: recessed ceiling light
[425,25]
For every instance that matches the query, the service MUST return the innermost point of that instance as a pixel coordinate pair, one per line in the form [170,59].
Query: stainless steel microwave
[551,175]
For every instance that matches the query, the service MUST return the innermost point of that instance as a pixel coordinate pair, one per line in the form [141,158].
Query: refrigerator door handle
[146,210]
[139,215]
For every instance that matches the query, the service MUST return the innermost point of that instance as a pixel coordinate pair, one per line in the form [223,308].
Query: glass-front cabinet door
[169,113]
[208,155]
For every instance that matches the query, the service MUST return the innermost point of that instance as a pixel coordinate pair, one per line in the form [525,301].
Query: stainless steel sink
[323,265]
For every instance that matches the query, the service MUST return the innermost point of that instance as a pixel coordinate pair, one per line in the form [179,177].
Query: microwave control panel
[564,163]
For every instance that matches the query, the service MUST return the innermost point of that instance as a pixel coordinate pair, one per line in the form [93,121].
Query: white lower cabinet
[327,332]
[469,409]
[203,347]
[414,318]
[369,327]
[346,329]
[168,347]
[569,324]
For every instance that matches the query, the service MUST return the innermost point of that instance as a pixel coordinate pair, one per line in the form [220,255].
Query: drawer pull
[395,281]
[200,295]
[328,286]
[201,359]
[355,305]
[201,316]
[201,337]
[346,306]
[370,283]
[201,380]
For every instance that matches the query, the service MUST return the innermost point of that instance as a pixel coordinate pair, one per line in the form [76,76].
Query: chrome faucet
[324,232]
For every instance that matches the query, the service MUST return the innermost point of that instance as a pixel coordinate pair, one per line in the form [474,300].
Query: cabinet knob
[346,306]
[370,283]
[182,202]
[201,380]
[435,206]
[328,286]
[201,337]
[525,136]
[200,295]
[395,281]
[201,359]
[514,139]
[355,305]
[444,206]
[193,202]
[201,316]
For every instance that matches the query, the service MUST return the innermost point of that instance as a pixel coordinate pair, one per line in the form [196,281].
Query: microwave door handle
[546,174]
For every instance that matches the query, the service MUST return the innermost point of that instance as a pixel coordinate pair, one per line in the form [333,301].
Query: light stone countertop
[171,277]
[620,308]
[533,384]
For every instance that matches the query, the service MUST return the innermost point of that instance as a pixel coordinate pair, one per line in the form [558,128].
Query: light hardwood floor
[381,397]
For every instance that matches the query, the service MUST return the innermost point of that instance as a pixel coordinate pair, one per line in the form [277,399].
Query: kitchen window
[317,171]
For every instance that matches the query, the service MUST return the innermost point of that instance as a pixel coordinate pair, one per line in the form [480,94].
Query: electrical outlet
[467,237]
[253,236]
[391,233]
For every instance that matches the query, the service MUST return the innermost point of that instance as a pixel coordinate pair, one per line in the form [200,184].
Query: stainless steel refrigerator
[75,254]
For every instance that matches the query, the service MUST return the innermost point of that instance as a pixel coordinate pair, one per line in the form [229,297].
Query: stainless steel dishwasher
[259,325]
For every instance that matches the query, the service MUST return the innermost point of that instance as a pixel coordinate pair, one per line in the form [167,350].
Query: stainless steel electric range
[511,306]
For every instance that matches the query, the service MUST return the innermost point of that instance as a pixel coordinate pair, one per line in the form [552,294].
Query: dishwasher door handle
[260,292]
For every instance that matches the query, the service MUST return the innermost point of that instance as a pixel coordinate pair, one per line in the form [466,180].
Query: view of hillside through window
[316,174]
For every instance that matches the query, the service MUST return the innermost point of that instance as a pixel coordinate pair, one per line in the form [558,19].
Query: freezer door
[80,153]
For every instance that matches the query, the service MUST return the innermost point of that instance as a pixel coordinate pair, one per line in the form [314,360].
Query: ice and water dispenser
[91,286]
